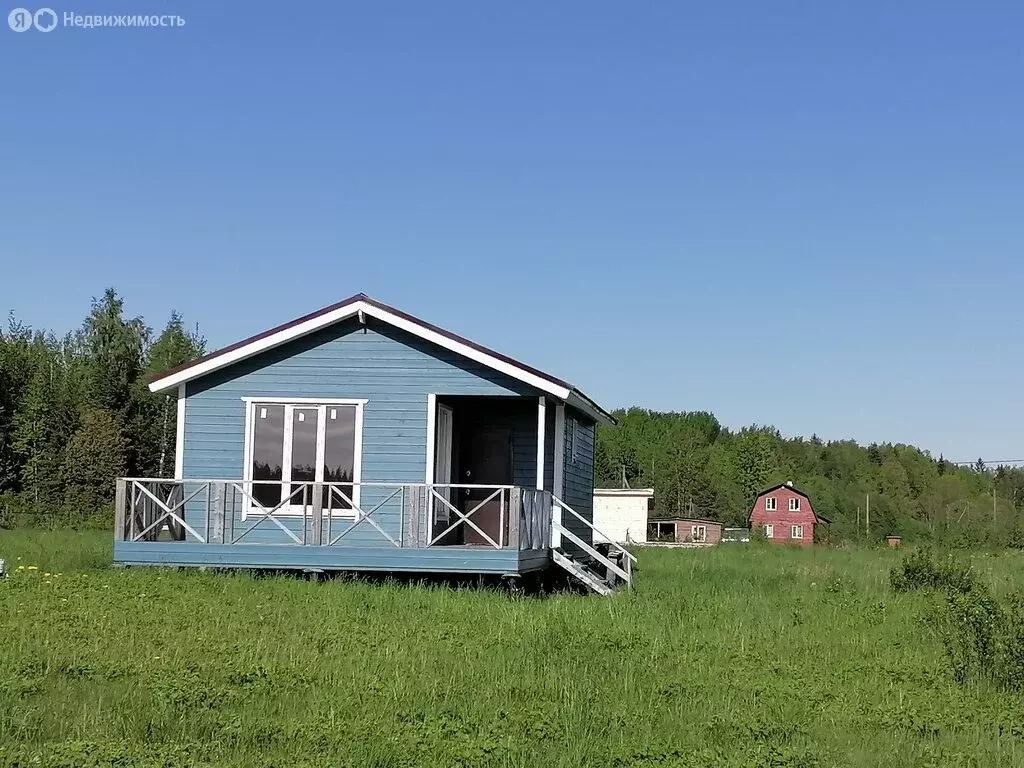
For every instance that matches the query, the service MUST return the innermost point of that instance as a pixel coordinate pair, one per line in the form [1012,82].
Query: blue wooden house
[360,438]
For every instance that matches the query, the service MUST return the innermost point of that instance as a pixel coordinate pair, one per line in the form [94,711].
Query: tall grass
[743,656]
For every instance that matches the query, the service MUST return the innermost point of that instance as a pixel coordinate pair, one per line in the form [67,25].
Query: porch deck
[410,527]
[469,559]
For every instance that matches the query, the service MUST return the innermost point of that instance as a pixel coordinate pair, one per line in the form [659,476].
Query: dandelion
[47,575]
[33,567]
[20,568]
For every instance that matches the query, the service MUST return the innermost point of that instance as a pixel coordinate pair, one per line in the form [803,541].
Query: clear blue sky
[789,213]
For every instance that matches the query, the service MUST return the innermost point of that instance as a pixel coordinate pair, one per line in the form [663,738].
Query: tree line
[699,468]
[75,411]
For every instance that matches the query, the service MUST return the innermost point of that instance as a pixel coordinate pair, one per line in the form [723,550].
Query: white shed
[621,514]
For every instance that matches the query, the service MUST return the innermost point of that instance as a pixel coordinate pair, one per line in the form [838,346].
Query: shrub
[920,570]
[983,640]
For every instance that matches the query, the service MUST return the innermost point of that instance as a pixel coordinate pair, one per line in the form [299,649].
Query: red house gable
[785,514]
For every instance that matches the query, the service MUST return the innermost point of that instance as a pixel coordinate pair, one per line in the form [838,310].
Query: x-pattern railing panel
[464,518]
[264,514]
[169,512]
[362,516]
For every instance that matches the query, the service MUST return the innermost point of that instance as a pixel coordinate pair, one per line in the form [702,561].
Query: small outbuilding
[690,531]
[620,514]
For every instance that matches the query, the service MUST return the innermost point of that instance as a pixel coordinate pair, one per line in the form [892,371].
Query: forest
[75,413]
[698,467]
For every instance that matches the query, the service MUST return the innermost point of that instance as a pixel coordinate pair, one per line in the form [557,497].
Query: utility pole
[867,513]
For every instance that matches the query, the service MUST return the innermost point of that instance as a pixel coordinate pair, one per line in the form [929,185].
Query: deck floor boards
[439,559]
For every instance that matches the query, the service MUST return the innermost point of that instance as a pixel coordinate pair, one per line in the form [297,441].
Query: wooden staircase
[600,572]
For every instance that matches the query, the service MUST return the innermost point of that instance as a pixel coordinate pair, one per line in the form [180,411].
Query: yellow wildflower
[33,567]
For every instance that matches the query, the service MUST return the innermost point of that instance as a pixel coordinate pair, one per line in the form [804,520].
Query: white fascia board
[441,340]
[254,348]
[314,324]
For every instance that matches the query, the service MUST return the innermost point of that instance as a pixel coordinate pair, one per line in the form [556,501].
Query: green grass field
[742,656]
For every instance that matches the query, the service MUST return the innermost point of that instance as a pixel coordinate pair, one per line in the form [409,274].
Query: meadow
[733,656]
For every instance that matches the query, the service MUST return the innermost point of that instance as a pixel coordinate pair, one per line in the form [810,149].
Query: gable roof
[787,486]
[362,306]
[797,491]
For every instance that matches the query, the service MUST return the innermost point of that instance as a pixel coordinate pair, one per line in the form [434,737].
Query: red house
[785,515]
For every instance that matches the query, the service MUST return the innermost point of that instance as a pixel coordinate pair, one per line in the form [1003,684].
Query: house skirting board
[339,558]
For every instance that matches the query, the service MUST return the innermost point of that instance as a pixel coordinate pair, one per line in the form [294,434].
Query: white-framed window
[769,531]
[294,442]
[796,532]
[771,504]
[698,533]
[794,504]
[662,531]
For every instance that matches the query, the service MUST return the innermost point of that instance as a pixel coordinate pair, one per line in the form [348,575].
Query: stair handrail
[629,555]
[623,574]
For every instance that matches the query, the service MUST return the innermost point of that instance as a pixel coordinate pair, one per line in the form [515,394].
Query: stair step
[584,574]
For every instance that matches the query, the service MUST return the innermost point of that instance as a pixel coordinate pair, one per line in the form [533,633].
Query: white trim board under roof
[363,306]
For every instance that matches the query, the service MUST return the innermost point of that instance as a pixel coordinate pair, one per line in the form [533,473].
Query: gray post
[410,534]
[517,505]
[318,507]
[216,505]
[417,526]
[120,511]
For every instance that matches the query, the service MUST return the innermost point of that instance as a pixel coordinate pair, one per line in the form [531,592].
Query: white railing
[228,511]
[627,558]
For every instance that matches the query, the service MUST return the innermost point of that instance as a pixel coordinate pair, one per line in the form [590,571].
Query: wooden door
[486,459]
[443,464]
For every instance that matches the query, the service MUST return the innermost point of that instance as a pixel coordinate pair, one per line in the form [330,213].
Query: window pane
[304,429]
[267,453]
[339,454]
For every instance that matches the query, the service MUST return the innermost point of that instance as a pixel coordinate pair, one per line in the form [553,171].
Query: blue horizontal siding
[429,560]
[579,476]
[393,370]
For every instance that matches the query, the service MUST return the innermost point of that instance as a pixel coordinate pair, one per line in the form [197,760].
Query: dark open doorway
[484,434]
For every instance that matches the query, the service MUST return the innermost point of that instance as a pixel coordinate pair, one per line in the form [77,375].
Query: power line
[988,462]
